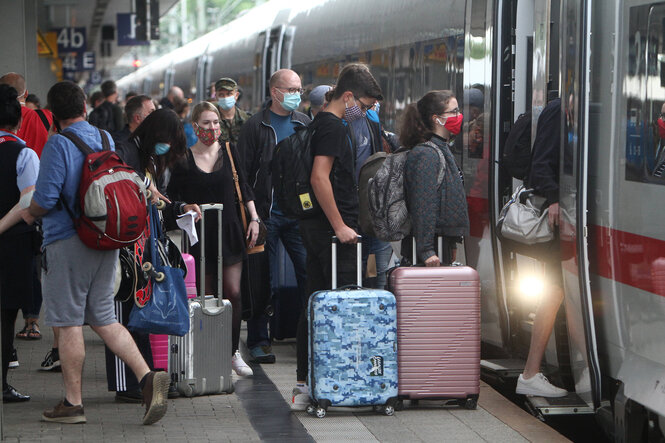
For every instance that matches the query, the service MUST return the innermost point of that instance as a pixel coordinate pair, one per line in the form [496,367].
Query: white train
[607,60]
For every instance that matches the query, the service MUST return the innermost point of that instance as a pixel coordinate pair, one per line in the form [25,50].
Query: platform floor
[257,411]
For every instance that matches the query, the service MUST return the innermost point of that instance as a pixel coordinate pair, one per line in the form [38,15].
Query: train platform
[257,411]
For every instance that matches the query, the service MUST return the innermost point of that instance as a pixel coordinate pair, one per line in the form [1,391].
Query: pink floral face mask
[207,136]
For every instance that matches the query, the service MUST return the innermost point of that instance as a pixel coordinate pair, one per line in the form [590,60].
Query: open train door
[573,194]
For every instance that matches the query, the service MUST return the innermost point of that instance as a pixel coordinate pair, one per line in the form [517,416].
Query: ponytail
[414,130]
[417,120]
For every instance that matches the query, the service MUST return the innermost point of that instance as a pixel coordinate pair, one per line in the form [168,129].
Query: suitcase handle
[439,241]
[359,276]
[202,272]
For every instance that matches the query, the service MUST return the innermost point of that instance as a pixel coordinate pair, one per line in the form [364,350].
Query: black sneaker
[51,361]
[13,362]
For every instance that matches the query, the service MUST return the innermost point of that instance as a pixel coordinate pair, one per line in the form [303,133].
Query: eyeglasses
[364,107]
[292,90]
[455,111]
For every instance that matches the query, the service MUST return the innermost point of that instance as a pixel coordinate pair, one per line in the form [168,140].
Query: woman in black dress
[206,176]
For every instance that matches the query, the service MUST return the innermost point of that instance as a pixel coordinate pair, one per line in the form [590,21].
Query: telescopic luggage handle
[359,247]
[202,272]
[439,241]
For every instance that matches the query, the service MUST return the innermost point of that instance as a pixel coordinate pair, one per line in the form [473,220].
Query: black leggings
[8,319]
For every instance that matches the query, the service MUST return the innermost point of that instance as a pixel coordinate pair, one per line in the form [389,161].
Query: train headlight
[531,286]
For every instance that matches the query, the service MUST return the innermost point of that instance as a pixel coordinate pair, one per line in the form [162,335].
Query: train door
[203,77]
[268,58]
[169,75]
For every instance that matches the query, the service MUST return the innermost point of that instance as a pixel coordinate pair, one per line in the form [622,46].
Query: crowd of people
[187,159]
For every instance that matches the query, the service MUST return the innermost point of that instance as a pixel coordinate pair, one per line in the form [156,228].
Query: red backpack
[112,199]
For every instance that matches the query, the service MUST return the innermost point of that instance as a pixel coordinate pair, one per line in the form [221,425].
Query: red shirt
[32,130]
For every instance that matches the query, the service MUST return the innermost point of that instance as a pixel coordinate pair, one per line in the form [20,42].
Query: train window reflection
[645,91]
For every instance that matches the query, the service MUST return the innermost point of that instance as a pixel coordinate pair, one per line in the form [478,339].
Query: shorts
[77,284]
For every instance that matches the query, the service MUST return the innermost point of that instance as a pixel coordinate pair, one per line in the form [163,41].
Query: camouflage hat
[226,83]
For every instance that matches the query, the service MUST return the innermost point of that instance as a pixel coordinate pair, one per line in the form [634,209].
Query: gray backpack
[387,196]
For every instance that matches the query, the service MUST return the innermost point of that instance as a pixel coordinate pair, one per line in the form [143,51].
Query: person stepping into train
[544,178]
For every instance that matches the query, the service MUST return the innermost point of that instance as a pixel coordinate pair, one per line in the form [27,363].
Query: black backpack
[516,157]
[291,170]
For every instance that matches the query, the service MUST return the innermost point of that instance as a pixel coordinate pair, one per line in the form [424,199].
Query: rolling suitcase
[438,332]
[352,347]
[200,362]
[287,303]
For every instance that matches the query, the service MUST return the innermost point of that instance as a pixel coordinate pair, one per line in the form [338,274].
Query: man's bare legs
[72,354]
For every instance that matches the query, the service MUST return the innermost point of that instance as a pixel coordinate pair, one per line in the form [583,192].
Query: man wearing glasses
[257,141]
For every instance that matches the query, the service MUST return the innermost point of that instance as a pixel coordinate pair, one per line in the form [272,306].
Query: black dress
[189,183]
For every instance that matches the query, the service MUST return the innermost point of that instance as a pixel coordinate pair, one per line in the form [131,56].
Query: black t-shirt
[331,139]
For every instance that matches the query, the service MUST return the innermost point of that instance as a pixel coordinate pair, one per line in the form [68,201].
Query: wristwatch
[257,220]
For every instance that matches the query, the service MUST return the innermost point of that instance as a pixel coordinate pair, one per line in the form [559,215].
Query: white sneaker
[538,385]
[239,366]
[299,402]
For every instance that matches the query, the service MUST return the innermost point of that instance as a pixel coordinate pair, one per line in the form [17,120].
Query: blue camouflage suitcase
[352,347]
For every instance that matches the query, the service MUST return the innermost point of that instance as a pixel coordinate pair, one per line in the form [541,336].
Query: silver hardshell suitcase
[200,362]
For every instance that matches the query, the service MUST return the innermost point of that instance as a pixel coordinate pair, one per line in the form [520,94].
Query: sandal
[33,332]
[23,333]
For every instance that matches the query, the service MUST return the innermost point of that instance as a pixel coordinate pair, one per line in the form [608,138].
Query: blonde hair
[201,108]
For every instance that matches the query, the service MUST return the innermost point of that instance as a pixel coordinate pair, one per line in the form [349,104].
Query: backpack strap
[42,116]
[80,144]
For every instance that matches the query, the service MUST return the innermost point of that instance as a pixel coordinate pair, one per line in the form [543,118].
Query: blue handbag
[167,311]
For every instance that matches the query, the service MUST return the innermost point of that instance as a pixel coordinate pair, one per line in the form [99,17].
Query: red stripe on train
[628,258]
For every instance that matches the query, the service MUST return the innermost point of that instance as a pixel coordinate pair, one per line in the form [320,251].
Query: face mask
[661,128]
[207,136]
[290,102]
[227,103]
[453,124]
[352,113]
[162,148]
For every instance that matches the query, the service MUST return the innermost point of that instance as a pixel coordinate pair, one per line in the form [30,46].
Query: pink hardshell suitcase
[438,332]
[159,343]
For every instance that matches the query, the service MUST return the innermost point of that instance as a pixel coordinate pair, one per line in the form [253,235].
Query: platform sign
[127,25]
[71,40]
[74,62]
[95,78]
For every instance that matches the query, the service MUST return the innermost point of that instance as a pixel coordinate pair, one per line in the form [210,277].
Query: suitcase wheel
[320,412]
[399,405]
[469,403]
[387,409]
[311,409]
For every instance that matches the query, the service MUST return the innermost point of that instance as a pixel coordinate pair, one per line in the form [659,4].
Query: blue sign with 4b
[71,40]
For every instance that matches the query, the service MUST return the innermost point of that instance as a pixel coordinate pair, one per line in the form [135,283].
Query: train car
[606,60]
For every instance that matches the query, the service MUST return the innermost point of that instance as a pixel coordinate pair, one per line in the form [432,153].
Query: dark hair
[108,88]
[97,95]
[130,94]
[179,105]
[10,108]
[32,98]
[355,77]
[134,105]
[66,100]
[161,126]
[417,120]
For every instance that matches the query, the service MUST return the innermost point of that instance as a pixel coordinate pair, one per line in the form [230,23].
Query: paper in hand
[186,223]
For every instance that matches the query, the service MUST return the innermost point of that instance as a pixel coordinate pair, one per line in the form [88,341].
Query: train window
[645,95]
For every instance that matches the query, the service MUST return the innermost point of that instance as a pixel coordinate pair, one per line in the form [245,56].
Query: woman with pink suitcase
[438,307]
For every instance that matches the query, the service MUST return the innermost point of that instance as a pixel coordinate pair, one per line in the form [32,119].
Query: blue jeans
[382,252]
[288,231]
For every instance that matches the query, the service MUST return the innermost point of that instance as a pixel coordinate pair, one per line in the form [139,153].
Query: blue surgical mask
[227,103]
[162,148]
[291,102]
